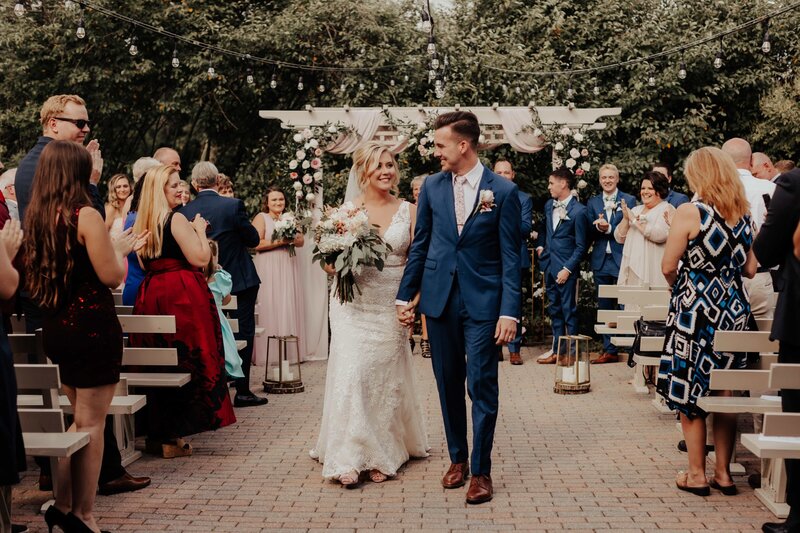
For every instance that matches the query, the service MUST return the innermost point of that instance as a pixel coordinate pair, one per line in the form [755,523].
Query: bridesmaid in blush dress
[280,296]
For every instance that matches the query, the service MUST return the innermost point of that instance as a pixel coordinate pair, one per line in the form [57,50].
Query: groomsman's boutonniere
[560,209]
[486,201]
[611,204]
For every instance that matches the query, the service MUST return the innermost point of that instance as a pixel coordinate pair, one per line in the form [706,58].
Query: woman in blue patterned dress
[707,253]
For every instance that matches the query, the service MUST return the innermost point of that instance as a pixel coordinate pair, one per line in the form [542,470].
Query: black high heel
[73,524]
[53,517]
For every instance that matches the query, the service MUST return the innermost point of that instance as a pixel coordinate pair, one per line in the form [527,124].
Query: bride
[372,419]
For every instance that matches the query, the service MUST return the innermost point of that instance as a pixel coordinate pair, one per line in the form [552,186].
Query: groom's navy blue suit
[467,282]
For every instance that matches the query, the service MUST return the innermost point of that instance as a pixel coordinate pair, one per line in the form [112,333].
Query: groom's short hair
[462,123]
[564,174]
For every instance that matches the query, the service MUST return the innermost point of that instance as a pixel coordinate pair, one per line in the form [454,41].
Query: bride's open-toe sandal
[682,482]
[349,480]
[377,476]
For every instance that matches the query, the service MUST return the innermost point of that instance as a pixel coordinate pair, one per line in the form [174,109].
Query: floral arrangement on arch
[571,149]
[306,149]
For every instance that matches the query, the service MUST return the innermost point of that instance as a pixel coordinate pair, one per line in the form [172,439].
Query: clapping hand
[601,223]
[128,241]
[626,212]
[97,160]
[11,237]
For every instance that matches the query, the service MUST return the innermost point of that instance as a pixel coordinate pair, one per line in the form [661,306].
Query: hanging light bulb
[552,92]
[211,72]
[682,71]
[175,61]
[596,89]
[765,45]
[250,79]
[19,9]
[618,88]
[133,49]
[570,92]
[342,88]
[427,22]
[718,58]
[405,78]
[517,90]
[375,85]
[80,33]
[435,61]
[361,86]
[439,87]
[391,82]
[300,85]
[431,45]
[321,87]
[431,75]
[651,80]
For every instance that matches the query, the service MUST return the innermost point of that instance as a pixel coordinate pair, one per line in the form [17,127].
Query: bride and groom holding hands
[462,270]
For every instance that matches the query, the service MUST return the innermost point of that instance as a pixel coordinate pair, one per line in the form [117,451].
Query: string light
[435,61]
[651,80]
[321,88]
[342,88]
[175,61]
[618,88]
[133,49]
[361,86]
[552,92]
[405,78]
[211,72]
[374,84]
[765,44]
[682,71]
[300,85]
[570,91]
[431,45]
[391,82]
[718,58]
[250,79]
[80,33]
[19,9]
[596,88]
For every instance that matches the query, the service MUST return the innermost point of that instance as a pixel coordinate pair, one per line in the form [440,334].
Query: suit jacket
[773,246]
[676,198]
[484,257]
[599,240]
[563,247]
[230,227]
[23,182]
[526,210]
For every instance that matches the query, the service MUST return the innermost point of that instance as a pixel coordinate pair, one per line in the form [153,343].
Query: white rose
[297,137]
[293,164]
[310,197]
[306,146]
[314,143]
[300,155]
[570,163]
[586,166]
[565,131]
[582,184]
[297,185]
[487,196]
[317,176]
[481,139]
[305,164]
[574,153]
[578,137]
[299,194]
[307,133]
[423,141]
[559,146]
[332,129]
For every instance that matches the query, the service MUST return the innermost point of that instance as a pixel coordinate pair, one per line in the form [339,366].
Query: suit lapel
[484,184]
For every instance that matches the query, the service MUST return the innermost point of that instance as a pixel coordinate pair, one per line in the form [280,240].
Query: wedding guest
[230,227]
[219,281]
[185,193]
[135,274]
[604,213]
[174,285]
[785,165]
[119,189]
[424,343]
[503,168]
[72,262]
[280,295]
[643,231]
[560,249]
[758,193]
[707,254]
[9,192]
[12,456]
[674,198]
[168,156]
[762,167]
[225,185]
[778,243]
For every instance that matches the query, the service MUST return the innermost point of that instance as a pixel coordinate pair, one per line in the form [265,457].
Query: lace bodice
[398,235]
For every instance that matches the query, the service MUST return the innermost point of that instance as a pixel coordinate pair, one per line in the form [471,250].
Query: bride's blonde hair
[367,158]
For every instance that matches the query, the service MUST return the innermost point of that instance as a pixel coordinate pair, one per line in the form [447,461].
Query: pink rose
[307,179]
[318,152]
[316,162]
[579,172]
[293,175]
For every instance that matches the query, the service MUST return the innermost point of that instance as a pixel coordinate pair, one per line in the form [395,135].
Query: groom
[465,263]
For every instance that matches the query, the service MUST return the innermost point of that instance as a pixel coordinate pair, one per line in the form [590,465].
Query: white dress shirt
[470,187]
[556,219]
[754,189]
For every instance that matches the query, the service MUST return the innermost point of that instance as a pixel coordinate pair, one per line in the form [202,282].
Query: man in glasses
[64,118]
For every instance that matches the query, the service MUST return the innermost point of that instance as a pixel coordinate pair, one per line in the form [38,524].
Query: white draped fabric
[514,125]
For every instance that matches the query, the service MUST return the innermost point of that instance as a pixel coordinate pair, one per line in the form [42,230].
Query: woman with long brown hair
[71,264]
[712,236]
[174,284]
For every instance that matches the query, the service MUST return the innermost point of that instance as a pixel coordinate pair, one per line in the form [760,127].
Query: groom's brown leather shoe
[456,476]
[480,489]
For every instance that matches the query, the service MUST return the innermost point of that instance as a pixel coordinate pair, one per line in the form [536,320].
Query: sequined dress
[83,335]
[372,416]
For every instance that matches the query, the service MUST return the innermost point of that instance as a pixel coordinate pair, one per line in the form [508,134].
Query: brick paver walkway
[600,461]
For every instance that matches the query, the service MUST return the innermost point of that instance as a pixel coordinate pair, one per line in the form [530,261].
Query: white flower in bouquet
[298,137]
[307,133]
[307,179]
[571,163]
[300,155]
[297,185]
[286,230]
[565,131]
[313,143]
[293,164]
[582,184]
[578,137]
[559,146]
[574,153]
[586,166]
[305,164]
[318,176]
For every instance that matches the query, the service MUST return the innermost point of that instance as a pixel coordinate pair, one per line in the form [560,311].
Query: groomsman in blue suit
[674,198]
[504,168]
[561,247]
[604,213]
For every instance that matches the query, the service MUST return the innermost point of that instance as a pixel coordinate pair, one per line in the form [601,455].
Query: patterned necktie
[458,191]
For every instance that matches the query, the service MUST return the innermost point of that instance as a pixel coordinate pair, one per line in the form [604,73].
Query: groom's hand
[405,314]
[505,331]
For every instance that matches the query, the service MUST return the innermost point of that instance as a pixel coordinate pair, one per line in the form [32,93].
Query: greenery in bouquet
[345,240]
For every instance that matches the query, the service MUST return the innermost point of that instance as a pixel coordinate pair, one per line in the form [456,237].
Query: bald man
[758,193]
[762,167]
[168,156]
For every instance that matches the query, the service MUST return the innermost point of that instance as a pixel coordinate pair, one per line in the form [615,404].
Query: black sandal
[697,491]
[727,490]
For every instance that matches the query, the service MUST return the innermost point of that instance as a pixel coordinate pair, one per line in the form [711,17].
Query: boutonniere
[611,205]
[560,209]
[486,201]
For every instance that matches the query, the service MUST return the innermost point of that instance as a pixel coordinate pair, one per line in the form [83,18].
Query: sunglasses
[79,122]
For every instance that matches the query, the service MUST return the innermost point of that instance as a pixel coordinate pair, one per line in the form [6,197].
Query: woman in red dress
[174,285]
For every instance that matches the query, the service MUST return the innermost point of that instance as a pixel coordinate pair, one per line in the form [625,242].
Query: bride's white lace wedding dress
[372,416]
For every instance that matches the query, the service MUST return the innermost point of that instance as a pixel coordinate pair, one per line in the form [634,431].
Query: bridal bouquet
[286,230]
[345,240]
